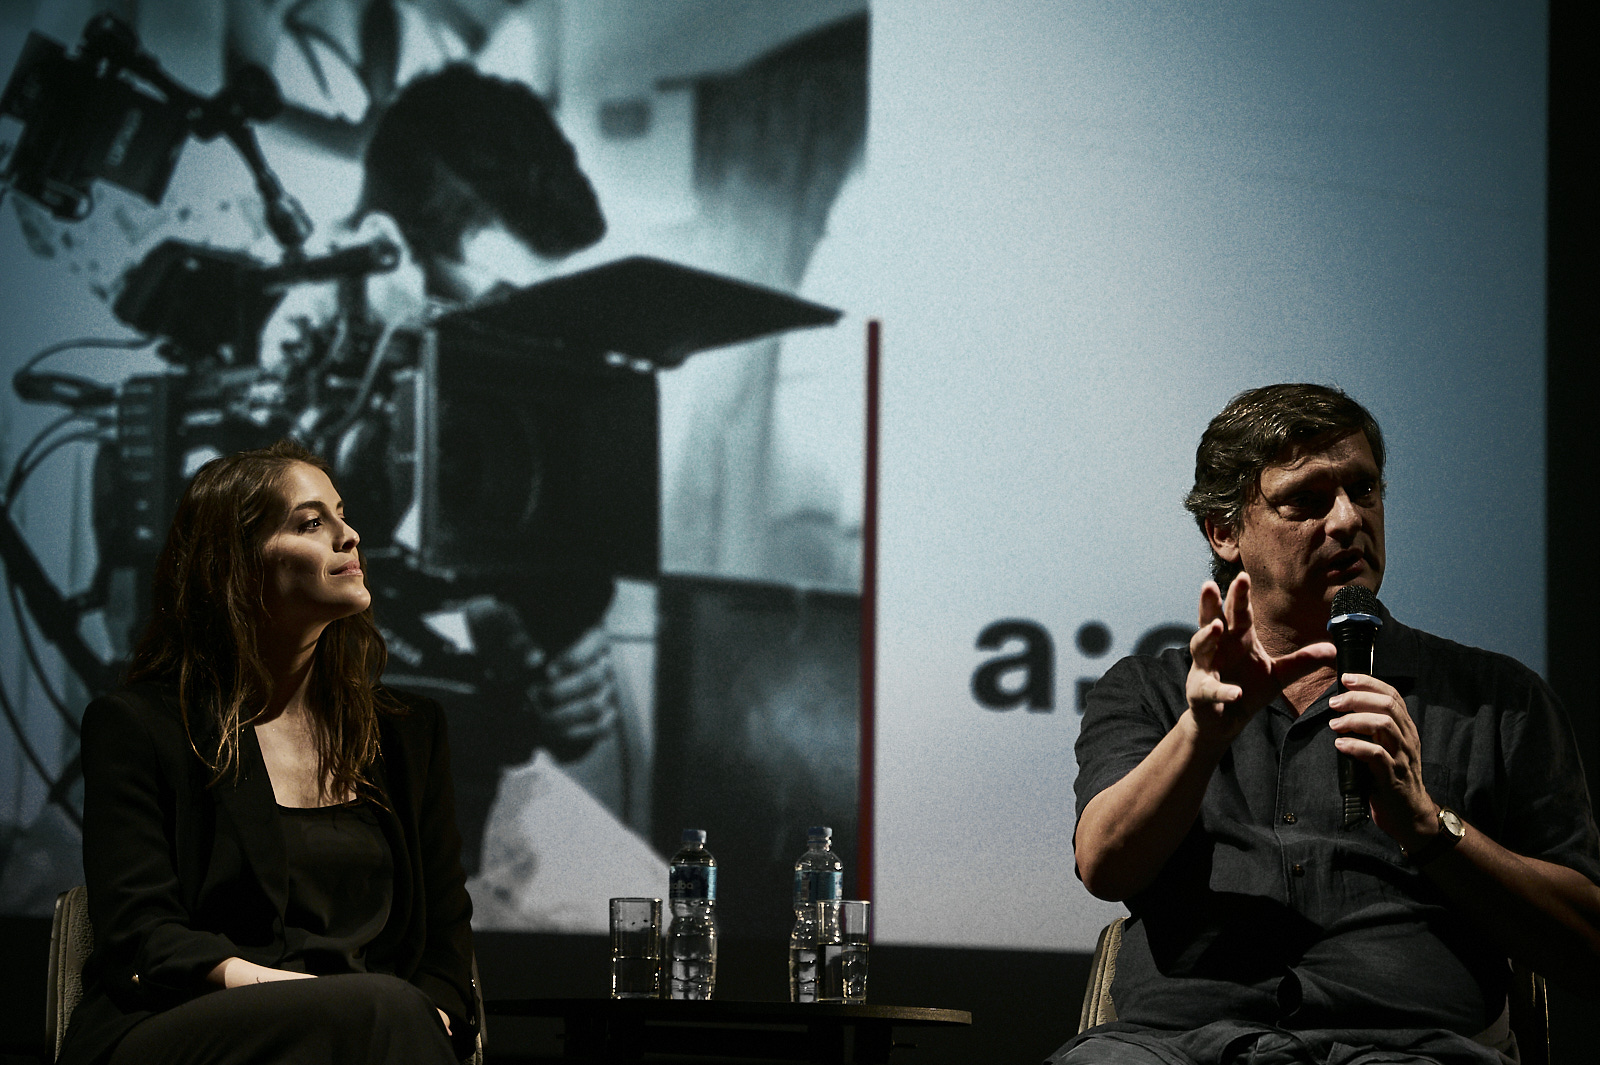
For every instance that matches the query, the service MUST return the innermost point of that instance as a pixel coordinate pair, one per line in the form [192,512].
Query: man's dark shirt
[1271,913]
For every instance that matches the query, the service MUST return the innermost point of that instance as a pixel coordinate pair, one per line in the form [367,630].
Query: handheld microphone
[1354,624]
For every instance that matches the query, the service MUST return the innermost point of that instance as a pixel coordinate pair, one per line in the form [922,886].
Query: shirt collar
[1395,653]
[1394,661]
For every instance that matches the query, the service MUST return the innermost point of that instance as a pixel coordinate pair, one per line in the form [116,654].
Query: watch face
[1451,822]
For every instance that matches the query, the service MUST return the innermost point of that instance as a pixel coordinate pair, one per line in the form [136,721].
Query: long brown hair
[207,609]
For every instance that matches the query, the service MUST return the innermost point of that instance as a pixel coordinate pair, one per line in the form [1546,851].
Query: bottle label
[817,885]
[693,883]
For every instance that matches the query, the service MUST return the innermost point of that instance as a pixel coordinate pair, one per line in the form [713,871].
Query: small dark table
[603,1029]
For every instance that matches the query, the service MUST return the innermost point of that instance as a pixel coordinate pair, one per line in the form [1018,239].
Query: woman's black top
[185,871]
[340,886]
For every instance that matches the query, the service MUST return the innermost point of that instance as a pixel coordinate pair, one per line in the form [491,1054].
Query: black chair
[1527,1008]
[71,940]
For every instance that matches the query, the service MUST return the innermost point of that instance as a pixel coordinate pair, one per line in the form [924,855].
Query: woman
[258,812]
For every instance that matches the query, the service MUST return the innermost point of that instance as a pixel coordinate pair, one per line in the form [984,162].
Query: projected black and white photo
[524,273]
[575,297]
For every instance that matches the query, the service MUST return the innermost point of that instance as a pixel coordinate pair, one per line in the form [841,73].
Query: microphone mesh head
[1354,599]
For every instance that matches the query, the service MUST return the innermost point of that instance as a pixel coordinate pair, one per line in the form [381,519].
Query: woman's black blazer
[183,873]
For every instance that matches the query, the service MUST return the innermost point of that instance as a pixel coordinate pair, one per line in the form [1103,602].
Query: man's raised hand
[1233,675]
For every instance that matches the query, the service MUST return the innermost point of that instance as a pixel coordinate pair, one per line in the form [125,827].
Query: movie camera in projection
[532,415]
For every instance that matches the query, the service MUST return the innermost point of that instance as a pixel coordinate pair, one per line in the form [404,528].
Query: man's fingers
[1210,603]
[1236,608]
[1227,693]
[594,647]
[1371,695]
[1205,688]
[1360,682]
[1352,702]
[584,720]
[594,678]
[1203,644]
[1374,726]
[1374,756]
[1308,659]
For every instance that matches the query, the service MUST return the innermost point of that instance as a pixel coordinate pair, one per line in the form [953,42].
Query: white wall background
[1085,226]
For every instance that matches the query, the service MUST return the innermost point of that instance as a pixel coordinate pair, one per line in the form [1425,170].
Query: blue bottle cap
[694,835]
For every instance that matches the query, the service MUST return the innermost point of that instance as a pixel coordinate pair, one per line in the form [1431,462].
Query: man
[1260,929]
[485,191]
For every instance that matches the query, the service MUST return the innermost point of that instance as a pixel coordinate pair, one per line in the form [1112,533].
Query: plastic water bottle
[818,877]
[692,938]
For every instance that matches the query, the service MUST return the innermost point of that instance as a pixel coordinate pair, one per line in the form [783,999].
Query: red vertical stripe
[869,625]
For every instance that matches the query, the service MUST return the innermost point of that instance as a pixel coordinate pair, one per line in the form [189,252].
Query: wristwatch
[1451,829]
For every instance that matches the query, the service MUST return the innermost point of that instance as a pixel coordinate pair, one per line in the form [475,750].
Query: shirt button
[1289,819]
[1297,869]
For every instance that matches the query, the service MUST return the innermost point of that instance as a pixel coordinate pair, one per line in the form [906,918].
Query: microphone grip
[1354,643]
[1355,787]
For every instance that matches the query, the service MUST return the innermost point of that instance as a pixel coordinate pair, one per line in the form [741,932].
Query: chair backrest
[1097,1005]
[71,940]
[483,1020]
[1528,1008]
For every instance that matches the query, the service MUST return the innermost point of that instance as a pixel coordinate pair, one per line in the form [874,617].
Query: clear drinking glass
[842,946]
[635,948]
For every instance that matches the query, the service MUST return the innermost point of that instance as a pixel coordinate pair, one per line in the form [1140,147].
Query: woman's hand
[236,972]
